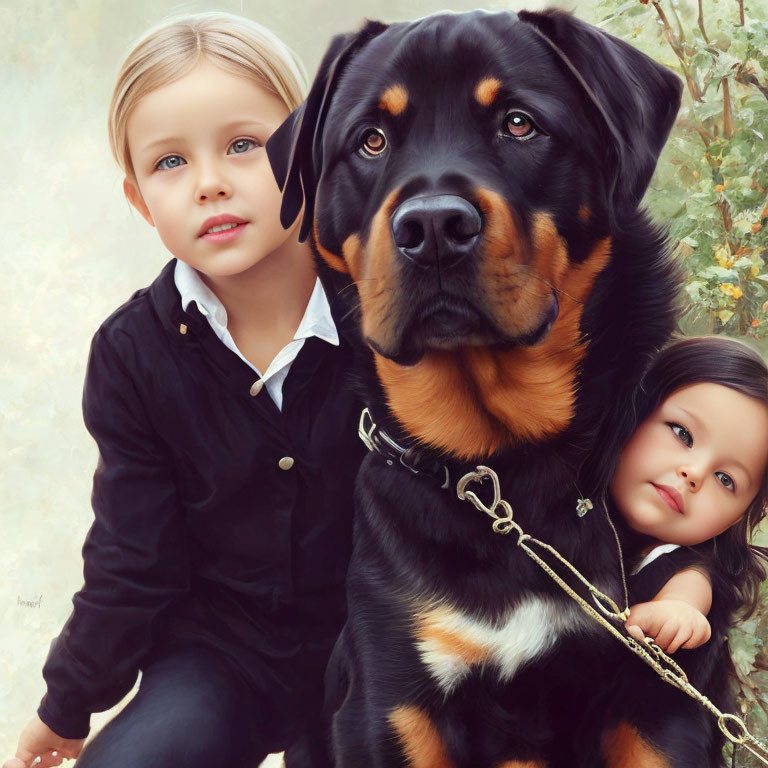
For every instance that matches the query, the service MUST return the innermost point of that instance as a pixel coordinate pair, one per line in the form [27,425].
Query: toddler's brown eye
[519,125]
[374,142]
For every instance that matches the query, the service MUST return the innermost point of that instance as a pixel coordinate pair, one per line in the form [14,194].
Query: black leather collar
[418,461]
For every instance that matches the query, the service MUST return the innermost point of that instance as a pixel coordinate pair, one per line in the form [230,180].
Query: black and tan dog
[470,185]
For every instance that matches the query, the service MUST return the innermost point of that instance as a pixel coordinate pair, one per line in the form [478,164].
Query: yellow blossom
[723,257]
[731,290]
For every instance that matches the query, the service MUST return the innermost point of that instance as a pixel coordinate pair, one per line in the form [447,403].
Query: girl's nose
[211,185]
[691,476]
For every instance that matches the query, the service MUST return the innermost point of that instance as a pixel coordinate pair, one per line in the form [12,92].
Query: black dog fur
[513,342]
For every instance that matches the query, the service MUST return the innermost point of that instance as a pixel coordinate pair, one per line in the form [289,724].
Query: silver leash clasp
[502,523]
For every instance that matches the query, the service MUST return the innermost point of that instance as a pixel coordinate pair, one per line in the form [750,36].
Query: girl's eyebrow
[692,416]
[161,142]
[736,463]
[235,124]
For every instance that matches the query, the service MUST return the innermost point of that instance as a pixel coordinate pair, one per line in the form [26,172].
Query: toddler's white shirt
[657,551]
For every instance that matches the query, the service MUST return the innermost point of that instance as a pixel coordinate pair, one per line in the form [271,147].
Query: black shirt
[709,665]
[200,536]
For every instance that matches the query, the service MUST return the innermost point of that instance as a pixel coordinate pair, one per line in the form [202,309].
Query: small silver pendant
[583,506]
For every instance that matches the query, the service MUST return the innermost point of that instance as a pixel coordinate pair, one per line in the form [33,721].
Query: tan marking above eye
[487,90]
[394,100]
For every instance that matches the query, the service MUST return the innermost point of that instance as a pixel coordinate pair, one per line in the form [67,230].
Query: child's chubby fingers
[40,747]
[50,759]
[46,759]
[16,762]
[24,758]
[642,622]
[56,756]
[682,636]
[635,631]
[700,634]
[666,635]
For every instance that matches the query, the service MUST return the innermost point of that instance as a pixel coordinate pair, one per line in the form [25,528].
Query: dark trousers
[192,709]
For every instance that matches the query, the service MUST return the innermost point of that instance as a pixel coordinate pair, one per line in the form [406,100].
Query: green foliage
[712,181]
[711,187]
[749,643]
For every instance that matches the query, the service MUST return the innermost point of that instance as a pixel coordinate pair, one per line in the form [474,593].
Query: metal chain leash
[732,727]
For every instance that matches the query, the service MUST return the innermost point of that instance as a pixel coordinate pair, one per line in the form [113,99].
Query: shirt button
[256,387]
[285,463]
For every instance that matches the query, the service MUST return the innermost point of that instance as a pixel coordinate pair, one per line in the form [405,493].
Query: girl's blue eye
[170,162]
[682,434]
[726,481]
[239,146]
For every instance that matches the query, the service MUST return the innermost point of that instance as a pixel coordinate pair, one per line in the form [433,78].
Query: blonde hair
[170,50]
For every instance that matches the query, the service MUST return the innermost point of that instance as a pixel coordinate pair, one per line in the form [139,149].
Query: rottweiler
[470,186]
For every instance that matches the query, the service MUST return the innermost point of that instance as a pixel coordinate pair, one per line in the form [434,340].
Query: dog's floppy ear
[295,148]
[636,98]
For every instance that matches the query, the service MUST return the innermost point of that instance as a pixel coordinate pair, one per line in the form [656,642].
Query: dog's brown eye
[374,142]
[519,125]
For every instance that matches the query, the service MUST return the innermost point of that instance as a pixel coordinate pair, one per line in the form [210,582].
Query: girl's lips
[226,235]
[671,497]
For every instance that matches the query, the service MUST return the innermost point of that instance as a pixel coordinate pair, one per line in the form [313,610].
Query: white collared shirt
[317,321]
[658,551]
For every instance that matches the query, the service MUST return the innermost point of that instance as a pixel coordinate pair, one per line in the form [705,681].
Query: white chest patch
[451,642]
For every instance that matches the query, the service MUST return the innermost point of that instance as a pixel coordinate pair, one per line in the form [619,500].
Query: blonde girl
[222,496]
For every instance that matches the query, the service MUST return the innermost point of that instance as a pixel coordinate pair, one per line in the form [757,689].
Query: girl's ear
[136,200]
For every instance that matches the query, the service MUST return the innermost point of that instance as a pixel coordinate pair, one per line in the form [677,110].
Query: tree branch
[749,78]
[701,22]
[679,52]
[723,205]
[741,12]
[725,211]
[705,137]
[680,30]
[690,122]
[727,113]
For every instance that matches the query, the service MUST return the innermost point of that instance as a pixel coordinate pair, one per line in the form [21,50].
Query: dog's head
[465,174]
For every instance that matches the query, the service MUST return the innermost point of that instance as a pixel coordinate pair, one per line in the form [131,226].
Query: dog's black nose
[435,231]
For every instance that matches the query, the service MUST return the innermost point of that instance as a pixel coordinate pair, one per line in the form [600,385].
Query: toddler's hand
[37,739]
[672,624]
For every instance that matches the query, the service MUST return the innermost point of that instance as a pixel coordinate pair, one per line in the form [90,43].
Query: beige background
[73,251]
